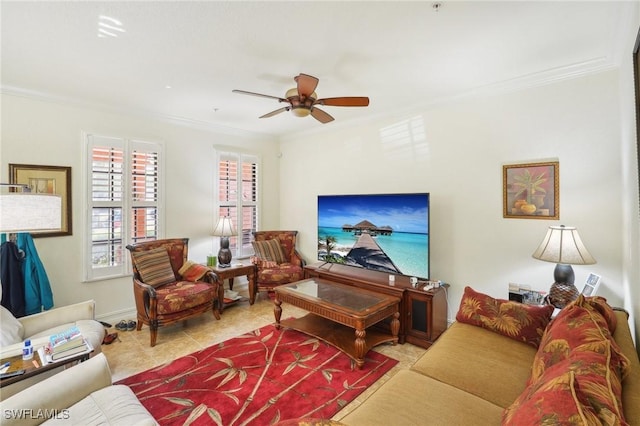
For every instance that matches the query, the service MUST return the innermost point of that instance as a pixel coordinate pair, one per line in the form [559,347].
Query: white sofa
[38,328]
[80,395]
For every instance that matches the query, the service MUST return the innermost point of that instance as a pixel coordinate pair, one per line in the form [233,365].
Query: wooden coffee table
[336,310]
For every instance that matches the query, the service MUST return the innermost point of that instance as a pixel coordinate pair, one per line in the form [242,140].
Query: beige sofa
[39,327]
[469,376]
[80,395]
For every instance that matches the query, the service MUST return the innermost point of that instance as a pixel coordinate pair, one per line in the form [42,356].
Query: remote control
[11,374]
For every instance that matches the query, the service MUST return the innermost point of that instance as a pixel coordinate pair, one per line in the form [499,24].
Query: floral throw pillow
[518,321]
[192,271]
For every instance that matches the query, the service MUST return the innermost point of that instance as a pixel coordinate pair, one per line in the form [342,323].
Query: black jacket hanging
[12,279]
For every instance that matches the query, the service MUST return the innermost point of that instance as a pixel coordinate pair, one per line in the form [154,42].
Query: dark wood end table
[336,310]
[235,270]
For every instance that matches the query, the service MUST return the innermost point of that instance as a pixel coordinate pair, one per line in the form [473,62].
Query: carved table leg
[361,346]
[395,327]
[253,286]
[277,311]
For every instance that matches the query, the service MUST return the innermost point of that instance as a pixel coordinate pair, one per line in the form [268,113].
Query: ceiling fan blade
[276,112]
[321,116]
[244,92]
[306,84]
[345,101]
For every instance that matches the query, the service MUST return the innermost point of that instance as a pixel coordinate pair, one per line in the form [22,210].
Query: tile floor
[132,354]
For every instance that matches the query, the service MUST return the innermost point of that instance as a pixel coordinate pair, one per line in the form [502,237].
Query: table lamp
[224,229]
[562,245]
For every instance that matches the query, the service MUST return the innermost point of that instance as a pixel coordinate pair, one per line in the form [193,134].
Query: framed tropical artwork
[531,190]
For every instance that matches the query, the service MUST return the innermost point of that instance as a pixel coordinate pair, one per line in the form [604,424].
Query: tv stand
[423,314]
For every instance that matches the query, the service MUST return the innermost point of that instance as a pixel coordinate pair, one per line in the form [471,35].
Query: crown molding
[175,120]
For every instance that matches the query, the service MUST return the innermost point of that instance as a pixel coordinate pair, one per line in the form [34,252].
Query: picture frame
[531,190]
[591,285]
[47,180]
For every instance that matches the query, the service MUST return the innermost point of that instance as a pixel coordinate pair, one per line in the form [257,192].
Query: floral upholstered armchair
[276,259]
[167,287]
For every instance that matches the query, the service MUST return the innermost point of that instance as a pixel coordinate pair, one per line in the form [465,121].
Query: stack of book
[62,345]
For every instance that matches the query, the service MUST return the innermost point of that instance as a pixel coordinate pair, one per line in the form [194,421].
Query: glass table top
[336,294]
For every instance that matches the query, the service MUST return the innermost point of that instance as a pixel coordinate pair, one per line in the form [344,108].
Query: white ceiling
[403,55]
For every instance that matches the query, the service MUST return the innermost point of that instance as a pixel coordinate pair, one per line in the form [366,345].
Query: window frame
[128,146]
[243,250]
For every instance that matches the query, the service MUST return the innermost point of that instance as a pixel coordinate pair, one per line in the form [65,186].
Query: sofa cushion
[469,357]
[114,405]
[409,398]
[518,321]
[154,266]
[269,250]
[183,295]
[557,401]
[11,330]
[280,274]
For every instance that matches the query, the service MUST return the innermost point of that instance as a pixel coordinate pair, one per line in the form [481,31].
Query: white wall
[631,208]
[460,164]
[49,133]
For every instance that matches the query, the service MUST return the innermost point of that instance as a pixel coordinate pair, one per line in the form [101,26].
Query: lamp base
[561,294]
[224,255]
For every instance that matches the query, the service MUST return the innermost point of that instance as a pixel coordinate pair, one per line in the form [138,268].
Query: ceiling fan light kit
[303,99]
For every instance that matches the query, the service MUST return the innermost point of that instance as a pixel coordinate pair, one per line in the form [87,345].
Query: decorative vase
[528,208]
[519,203]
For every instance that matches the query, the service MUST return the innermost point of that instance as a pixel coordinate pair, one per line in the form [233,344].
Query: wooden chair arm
[146,299]
[297,260]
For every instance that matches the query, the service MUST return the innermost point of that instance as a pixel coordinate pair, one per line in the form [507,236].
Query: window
[124,201]
[237,183]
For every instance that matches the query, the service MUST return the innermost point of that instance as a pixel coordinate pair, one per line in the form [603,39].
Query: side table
[235,270]
[38,365]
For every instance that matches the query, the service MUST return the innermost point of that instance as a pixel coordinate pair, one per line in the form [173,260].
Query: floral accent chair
[167,287]
[276,259]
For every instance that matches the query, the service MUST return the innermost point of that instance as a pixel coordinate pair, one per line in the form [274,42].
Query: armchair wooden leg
[216,311]
[153,331]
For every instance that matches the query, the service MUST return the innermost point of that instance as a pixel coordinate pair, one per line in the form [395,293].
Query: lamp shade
[562,244]
[25,212]
[224,228]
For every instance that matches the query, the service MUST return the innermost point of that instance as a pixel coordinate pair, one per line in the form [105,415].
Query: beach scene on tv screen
[386,232]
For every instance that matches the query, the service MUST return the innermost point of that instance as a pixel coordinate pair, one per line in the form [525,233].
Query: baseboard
[116,316]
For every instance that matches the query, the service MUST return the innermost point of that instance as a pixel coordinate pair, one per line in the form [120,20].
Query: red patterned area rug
[259,378]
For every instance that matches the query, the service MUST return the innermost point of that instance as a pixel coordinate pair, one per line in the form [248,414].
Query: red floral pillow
[525,323]
[555,401]
[595,387]
[192,271]
[600,305]
[579,327]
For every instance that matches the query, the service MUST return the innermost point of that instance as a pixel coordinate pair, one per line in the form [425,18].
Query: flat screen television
[382,232]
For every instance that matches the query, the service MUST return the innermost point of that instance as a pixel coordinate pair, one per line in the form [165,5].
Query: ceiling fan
[303,100]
